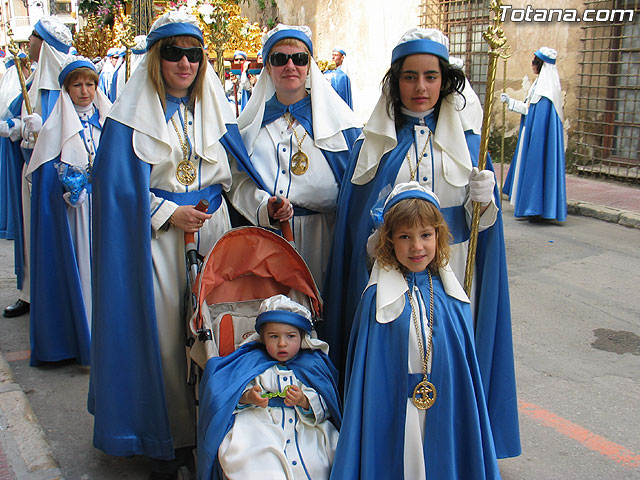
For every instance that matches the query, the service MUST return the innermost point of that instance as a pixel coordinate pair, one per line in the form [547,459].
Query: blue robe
[223,383]
[541,188]
[348,275]
[457,442]
[126,387]
[341,83]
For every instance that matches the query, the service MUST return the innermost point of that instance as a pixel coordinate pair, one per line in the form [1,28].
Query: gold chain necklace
[413,173]
[186,170]
[299,160]
[424,395]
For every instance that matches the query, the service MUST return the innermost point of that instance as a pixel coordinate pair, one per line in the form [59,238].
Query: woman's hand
[296,397]
[253,397]
[280,211]
[188,219]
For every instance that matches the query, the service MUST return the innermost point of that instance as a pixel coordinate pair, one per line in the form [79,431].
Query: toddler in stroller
[271,408]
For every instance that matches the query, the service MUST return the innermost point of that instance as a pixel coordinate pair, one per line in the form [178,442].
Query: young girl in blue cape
[271,408]
[425,129]
[414,402]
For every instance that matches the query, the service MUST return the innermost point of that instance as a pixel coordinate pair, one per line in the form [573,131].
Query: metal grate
[463,21]
[608,128]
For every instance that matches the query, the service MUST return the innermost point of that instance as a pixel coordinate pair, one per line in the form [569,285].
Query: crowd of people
[407,376]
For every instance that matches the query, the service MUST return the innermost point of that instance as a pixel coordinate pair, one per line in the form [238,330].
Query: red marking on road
[15,356]
[593,442]
[6,472]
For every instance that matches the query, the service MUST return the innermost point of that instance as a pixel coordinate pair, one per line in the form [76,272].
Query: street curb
[24,450]
[608,214]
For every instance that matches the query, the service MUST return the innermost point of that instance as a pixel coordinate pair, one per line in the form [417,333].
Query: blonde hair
[289,42]
[412,212]
[154,69]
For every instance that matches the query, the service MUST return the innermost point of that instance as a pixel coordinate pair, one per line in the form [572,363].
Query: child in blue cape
[264,408]
[414,402]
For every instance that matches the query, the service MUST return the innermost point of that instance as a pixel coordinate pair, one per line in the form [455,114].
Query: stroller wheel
[184,473]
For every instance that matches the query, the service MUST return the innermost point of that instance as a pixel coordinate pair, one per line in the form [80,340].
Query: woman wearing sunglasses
[164,148]
[299,134]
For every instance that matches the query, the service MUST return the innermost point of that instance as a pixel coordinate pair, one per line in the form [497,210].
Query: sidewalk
[25,453]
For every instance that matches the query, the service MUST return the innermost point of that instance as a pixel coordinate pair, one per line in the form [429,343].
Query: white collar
[392,285]
[331,115]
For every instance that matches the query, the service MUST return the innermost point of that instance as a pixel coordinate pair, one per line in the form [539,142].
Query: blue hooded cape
[348,274]
[458,442]
[126,387]
[301,111]
[541,170]
[224,380]
[341,83]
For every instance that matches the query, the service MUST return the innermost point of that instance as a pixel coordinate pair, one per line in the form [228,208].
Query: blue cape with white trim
[457,442]
[348,274]
[224,380]
[126,388]
[541,188]
[58,321]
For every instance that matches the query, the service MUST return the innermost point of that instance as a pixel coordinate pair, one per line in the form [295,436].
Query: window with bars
[463,21]
[608,127]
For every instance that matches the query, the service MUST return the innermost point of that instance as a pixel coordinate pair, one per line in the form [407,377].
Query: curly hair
[453,80]
[155,69]
[411,212]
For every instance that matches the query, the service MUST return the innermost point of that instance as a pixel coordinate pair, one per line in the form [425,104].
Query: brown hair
[155,69]
[411,212]
[82,72]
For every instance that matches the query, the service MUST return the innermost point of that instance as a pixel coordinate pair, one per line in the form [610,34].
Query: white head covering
[548,82]
[10,88]
[391,283]
[283,303]
[60,134]
[330,113]
[380,130]
[140,108]
[45,76]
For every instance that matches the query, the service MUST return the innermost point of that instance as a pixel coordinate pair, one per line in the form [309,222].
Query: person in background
[536,183]
[338,78]
[60,167]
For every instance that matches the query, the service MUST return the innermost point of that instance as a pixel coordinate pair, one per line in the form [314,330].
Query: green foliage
[105,9]
[271,23]
[261,4]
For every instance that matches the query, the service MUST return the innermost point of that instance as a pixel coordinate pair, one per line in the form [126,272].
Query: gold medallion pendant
[424,395]
[186,172]
[299,163]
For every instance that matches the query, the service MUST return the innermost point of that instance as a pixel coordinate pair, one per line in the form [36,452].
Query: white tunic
[279,442]
[316,190]
[169,273]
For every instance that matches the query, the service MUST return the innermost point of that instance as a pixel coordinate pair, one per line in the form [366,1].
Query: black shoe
[19,308]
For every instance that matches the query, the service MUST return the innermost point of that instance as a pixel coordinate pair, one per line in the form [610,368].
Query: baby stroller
[245,266]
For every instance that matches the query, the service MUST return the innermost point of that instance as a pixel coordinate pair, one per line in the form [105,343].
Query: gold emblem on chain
[186,172]
[299,160]
[412,172]
[424,395]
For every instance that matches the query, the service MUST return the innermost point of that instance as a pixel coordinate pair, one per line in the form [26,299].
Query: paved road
[576,327]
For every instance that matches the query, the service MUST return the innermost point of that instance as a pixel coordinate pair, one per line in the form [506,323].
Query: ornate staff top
[494,35]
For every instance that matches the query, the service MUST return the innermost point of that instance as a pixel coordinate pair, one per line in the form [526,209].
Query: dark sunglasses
[36,34]
[174,53]
[299,59]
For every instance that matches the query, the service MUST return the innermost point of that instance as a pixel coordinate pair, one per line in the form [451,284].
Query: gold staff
[504,56]
[494,35]
[13,48]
